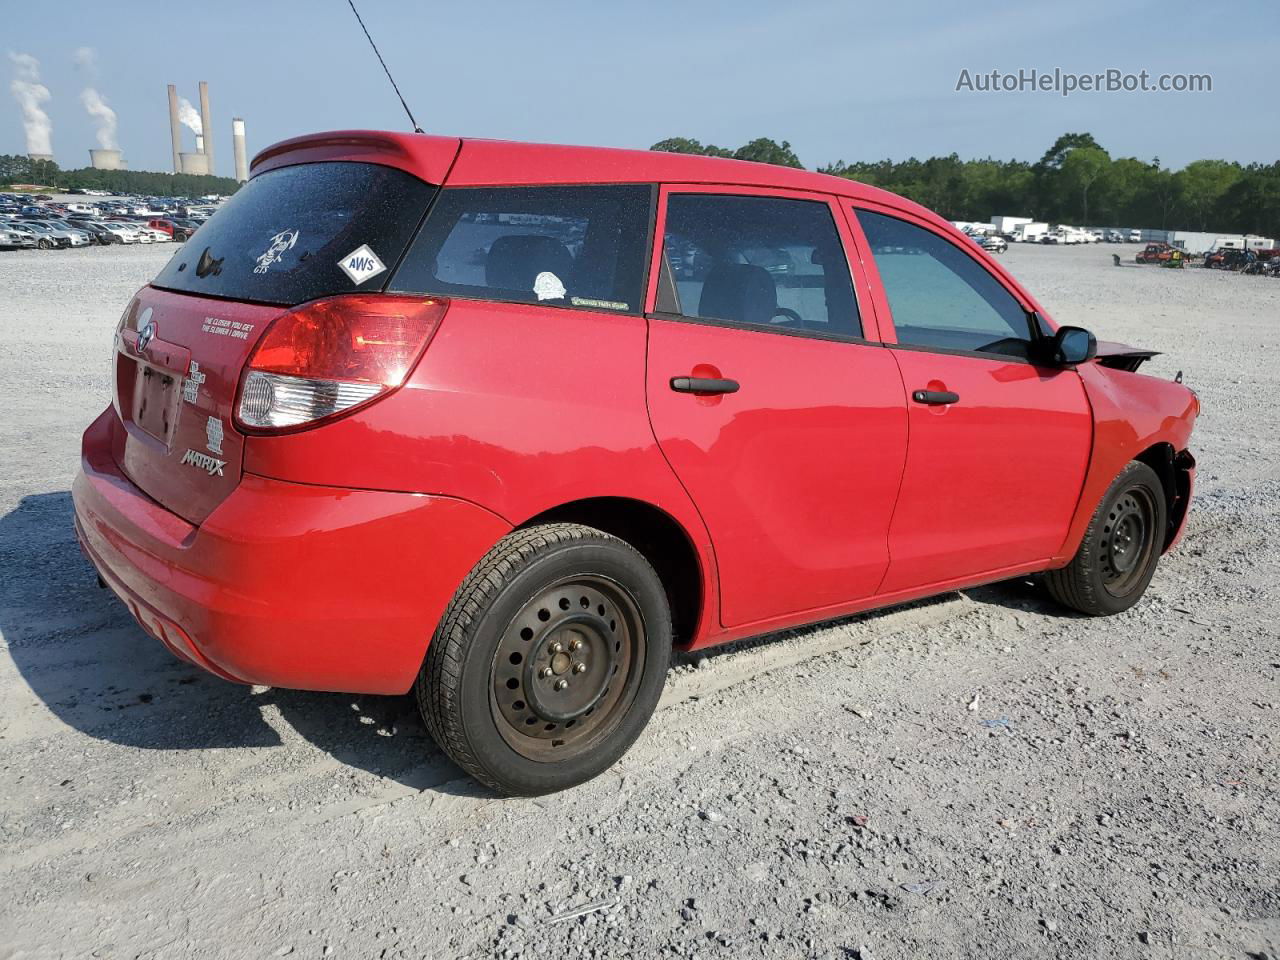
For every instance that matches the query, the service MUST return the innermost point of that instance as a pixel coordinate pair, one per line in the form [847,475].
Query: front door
[999,444]
[786,425]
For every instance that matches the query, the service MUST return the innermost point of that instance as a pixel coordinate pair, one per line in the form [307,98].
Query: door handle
[935,398]
[703,385]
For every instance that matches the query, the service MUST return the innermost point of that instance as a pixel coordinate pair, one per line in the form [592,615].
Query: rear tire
[1120,549]
[549,660]
[44,244]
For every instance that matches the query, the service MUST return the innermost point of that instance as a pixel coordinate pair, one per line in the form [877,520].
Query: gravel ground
[981,776]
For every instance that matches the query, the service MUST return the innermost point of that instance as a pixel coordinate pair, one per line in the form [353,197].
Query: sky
[839,80]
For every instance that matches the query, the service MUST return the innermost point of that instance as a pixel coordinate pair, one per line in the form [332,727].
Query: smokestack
[237,146]
[106,160]
[199,143]
[175,129]
[205,123]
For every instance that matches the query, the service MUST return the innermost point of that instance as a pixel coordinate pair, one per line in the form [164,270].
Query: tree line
[16,168]
[1076,181]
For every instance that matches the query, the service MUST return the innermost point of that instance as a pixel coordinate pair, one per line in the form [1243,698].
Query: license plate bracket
[155,408]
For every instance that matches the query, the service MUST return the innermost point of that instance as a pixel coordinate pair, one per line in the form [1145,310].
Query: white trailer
[1197,242]
[1008,225]
[1030,232]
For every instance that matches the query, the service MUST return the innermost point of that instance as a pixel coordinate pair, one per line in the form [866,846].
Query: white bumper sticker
[361,264]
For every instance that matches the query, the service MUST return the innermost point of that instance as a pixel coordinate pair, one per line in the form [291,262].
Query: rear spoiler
[426,157]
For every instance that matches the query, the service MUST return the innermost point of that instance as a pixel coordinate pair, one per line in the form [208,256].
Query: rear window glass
[302,232]
[560,246]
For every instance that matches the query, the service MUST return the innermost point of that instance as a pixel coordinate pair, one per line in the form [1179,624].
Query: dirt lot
[984,776]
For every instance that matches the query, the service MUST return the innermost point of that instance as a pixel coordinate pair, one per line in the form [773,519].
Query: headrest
[514,261]
[741,292]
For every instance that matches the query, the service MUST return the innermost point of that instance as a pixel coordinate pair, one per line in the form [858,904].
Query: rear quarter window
[580,247]
[286,234]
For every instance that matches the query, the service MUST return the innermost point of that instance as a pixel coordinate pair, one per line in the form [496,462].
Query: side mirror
[1071,346]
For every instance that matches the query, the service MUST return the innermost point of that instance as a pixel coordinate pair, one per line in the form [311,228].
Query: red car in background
[1154,253]
[178,231]
[502,422]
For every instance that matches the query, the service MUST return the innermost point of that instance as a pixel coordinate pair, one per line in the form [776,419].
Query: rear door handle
[703,385]
[935,398]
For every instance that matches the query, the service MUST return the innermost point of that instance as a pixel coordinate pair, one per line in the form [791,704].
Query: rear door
[783,418]
[288,236]
[999,444]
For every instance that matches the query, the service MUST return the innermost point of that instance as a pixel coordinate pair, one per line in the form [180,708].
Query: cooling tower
[106,160]
[197,163]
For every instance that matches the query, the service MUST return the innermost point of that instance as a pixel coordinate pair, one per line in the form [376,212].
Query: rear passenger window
[939,296]
[762,262]
[561,246]
[284,235]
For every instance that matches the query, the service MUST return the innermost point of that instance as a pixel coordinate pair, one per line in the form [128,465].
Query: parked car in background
[13,238]
[49,235]
[171,228]
[1154,253]
[1227,258]
[125,232]
[352,447]
[1135,236]
[140,233]
[97,231]
[994,244]
[1064,235]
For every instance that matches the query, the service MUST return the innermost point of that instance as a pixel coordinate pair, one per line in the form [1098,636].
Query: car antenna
[416,128]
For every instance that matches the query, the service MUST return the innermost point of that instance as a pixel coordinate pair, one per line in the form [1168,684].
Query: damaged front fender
[1136,417]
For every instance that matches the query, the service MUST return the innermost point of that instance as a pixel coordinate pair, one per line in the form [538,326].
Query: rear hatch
[288,236]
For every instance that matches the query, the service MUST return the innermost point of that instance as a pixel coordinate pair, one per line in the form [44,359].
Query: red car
[175,230]
[1154,253]
[501,423]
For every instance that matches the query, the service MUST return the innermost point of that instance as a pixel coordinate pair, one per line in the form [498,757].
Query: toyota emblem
[146,335]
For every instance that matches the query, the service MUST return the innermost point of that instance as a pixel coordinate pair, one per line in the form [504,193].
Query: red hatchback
[500,423]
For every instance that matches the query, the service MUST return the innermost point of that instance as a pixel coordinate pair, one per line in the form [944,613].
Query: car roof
[480,162]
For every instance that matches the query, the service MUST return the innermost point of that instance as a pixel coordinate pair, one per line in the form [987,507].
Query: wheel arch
[661,540]
[1174,470]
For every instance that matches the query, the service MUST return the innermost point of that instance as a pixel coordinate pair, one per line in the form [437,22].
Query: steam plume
[104,117]
[190,117]
[30,94]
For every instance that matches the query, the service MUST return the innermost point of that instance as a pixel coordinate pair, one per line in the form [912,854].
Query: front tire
[1120,549]
[549,660]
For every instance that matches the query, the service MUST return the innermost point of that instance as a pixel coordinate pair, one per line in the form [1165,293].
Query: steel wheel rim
[1128,541]
[567,668]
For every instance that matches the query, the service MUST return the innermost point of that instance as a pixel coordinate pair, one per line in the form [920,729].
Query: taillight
[333,355]
[128,318]
[128,321]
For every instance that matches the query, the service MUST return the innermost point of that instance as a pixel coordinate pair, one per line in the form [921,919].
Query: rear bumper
[284,584]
